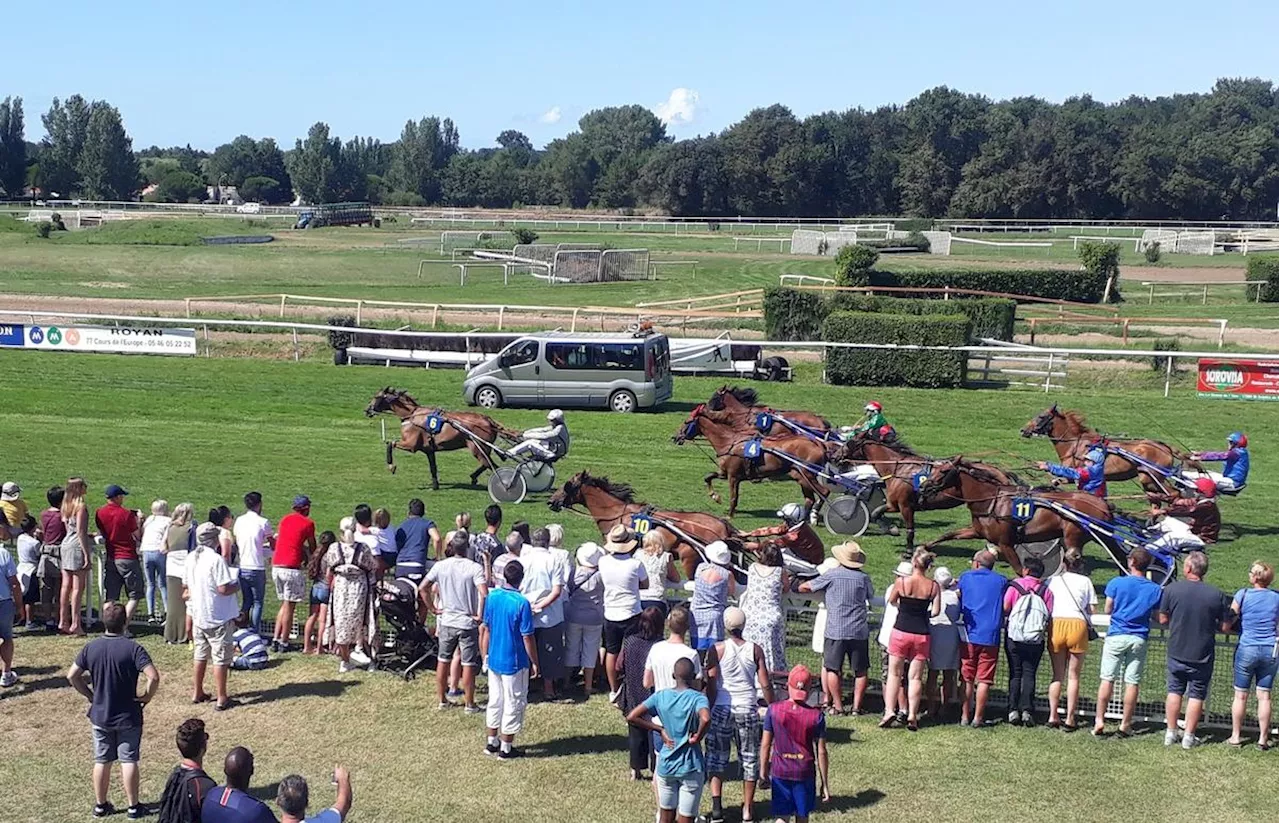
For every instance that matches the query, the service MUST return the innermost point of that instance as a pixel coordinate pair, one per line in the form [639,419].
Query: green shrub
[1262,267]
[1079,286]
[403,198]
[56,220]
[1152,252]
[43,228]
[525,237]
[913,224]
[792,314]
[853,264]
[341,339]
[1165,344]
[875,367]
[991,317]
[1103,260]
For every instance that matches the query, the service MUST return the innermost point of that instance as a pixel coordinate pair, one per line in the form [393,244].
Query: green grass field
[206,430]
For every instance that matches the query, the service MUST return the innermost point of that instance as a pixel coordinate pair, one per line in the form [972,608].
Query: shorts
[242,663]
[110,745]
[1123,655]
[615,631]
[291,584]
[1192,681]
[835,652]
[126,575]
[6,618]
[978,663]
[793,797]
[680,793]
[215,643]
[1068,634]
[740,727]
[582,645]
[465,641]
[550,642]
[319,594]
[908,646]
[1255,664]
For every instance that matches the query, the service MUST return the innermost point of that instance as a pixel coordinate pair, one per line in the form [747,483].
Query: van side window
[527,352]
[568,356]
[623,356]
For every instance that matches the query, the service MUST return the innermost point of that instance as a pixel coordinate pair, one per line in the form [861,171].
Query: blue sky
[203,73]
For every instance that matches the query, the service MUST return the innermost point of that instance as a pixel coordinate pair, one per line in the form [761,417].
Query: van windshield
[580,355]
[525,351]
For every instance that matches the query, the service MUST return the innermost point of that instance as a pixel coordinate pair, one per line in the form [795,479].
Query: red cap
[1206,487]
[798,682]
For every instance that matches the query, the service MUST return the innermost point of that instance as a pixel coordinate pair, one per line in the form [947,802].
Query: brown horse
[990,492]
[727,436]
[414,436]
[612,503]
[1071,438]
[743,401]
[898,466]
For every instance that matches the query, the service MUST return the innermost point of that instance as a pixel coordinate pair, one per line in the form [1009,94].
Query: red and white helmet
[1206,487]
[873,406]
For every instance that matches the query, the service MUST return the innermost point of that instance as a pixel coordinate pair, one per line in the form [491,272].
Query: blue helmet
[1095,455]
[1236,439]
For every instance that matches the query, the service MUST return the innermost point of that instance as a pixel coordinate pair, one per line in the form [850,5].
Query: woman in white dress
[351,619]
[762,603]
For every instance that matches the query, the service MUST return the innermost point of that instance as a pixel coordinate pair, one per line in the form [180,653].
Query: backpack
[184,794]
[1029,619]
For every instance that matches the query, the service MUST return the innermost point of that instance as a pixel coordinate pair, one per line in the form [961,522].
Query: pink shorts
[909,646]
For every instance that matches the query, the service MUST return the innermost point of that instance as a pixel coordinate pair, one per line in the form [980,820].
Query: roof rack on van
[643,329]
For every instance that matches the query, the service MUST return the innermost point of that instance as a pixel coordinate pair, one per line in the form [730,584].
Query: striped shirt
[250,645]
[848,593]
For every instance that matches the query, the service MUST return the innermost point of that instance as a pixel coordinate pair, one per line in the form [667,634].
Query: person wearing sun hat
[14,509]
[848,592]
[713,585]
[623,577]
[793,751]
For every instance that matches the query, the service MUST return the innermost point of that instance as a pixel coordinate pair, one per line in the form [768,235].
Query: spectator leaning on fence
[1028,604]
[846,634]
[981,606]
[1194,611]
[1131,598]
[1069,634]
[120,530]
[1258,610]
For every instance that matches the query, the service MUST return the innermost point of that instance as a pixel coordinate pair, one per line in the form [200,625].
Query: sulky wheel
[1049,551]
[846,515]
[507,485]
[538,476]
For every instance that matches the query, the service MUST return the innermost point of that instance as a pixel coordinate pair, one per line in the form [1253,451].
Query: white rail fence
[1023,365]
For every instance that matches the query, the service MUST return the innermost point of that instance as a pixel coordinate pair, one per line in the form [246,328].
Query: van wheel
[487,397]
[622,401]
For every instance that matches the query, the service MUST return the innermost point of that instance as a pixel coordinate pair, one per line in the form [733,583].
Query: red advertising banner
[1240,379]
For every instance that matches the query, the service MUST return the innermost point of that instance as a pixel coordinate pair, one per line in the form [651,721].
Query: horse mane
[400,394]
[1076,420]
[744,395]
[993,475]
[622,491]
[897,444]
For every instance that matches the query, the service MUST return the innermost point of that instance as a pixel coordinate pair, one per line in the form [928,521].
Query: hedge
[991,316]
[1264,268]
[874,367]
[1079,286]
[792,314]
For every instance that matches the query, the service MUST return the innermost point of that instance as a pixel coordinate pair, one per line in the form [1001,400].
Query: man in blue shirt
[507,642]
[232,803]
[685,716]
[1130,600]
[293,797]
[412,537]
[981,592]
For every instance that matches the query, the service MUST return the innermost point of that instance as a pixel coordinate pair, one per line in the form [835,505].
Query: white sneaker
[8,679]
[613,696]
[1190,741]
[344,667]
[1170,738]
[359,658]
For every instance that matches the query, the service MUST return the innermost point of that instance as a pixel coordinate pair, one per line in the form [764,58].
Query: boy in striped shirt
[251,649]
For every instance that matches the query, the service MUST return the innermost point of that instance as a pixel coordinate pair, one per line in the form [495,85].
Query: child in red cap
[793,751]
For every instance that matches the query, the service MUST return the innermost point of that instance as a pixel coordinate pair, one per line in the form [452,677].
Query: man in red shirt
[120,529]
[295,541]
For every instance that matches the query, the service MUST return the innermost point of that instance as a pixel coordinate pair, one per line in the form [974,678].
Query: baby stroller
[408,646]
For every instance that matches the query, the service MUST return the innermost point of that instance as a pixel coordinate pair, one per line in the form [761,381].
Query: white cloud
[679,107]
[551,115]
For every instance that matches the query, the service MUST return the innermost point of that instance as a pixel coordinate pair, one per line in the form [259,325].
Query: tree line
[944,153]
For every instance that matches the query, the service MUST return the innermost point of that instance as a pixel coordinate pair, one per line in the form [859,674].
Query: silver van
[618,372]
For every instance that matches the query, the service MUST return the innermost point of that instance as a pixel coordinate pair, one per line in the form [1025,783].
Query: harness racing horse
[899,467]
[414,436]
[727,435]
[990,492]
[743,401]
[1071,438]
[611,503]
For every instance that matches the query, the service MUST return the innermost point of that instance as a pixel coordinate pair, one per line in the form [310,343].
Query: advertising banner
[118,339]
[1240,379]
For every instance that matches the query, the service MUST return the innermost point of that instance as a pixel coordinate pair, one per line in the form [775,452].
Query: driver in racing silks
[873,422]
[546,442]
[1090,478]
[1197,511]
[794,534]
[1235,464]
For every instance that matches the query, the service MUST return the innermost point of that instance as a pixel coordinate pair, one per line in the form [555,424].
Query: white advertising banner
[118,339]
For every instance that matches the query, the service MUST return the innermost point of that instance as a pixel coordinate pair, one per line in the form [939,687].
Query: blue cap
[115,491]
[1235,437]
[301,501]
[1095,456]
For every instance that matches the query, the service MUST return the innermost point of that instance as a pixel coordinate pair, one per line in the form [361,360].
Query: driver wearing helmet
[1090,478]
[1199,509]
[873,421]
[546,442]
[1235,464]
[794,534]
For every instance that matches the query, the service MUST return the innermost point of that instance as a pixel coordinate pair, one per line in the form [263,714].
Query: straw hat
[589,554]
[718,552]
[621,540]
[903,569]
[849,554]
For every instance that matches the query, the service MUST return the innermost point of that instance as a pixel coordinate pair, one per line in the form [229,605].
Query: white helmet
[555,415]
[792,512]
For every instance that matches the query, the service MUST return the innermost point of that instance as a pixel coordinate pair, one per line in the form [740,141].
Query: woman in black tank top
[918,598]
